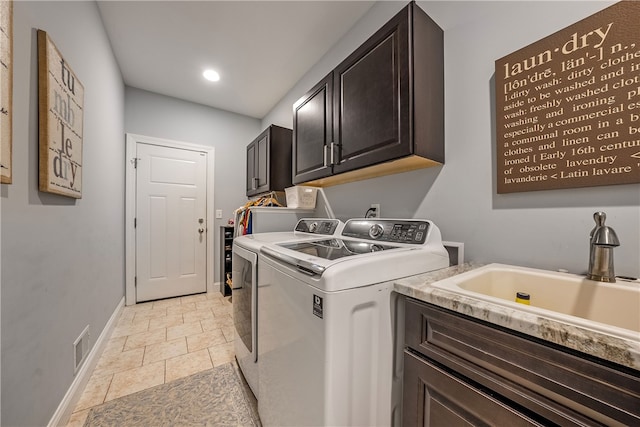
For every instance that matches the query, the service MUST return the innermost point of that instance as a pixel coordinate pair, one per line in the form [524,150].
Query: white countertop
[617,350]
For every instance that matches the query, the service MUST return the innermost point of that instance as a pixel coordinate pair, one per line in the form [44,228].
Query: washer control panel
[317,226]
[388,230]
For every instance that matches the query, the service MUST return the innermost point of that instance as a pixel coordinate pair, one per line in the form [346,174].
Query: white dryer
[325,321]
[245,279]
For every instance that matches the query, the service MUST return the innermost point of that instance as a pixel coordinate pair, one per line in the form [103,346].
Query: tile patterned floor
[157,342]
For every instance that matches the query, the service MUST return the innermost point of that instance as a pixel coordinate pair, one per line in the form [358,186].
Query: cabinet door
[312,132]
[251,169]
[258,165]
[262,163]
[434,397]
[372,99]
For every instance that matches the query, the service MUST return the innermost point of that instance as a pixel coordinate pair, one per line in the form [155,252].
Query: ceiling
[260,48]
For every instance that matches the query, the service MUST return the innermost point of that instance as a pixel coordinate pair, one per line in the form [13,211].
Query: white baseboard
[215,287]
[65,409]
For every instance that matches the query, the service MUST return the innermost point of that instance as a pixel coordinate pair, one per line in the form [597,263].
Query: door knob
[200,230]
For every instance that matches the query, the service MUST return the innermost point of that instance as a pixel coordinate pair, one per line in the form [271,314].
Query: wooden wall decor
[60,106]
[6,91]
[568,106]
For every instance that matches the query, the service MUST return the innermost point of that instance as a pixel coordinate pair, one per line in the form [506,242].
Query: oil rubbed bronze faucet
[603,240]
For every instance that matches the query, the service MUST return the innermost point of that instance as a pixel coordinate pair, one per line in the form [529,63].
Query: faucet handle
[599,218]
[603,235]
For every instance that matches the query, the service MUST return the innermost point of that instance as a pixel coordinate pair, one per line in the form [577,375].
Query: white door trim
[130,206]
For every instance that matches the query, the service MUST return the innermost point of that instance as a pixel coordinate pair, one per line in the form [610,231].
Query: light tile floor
[157,342]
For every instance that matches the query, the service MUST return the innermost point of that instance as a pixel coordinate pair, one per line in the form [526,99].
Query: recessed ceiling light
[211,75]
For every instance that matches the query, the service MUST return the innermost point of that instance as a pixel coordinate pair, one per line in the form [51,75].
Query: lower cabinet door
[435,397]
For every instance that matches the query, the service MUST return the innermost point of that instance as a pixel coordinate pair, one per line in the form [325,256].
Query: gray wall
[150,114]
[544,229]
[62,259]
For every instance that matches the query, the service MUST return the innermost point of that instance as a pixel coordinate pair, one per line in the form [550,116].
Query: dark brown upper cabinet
[312,132]
[269,161]
[381,111]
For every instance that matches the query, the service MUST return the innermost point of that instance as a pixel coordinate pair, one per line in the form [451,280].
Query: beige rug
[215,397]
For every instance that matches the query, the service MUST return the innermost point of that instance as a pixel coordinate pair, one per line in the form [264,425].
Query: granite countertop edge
[625,352]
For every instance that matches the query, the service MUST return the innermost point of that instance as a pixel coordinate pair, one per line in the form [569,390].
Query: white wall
[545,229]
[62,259]
[151,114]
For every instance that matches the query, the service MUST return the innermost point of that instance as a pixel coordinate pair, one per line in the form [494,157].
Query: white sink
[612,308]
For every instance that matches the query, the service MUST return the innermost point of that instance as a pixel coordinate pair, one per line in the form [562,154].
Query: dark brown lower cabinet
[459,371]
[439,398]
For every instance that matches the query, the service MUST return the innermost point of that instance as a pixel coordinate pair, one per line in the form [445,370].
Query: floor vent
[80,349]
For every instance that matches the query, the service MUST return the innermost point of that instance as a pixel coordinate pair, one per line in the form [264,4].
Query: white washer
[244,285]
[325,321]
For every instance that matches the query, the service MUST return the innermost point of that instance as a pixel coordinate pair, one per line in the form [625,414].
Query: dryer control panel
[318,226]
[388,230]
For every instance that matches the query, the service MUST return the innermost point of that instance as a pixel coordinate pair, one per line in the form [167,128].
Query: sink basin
[561,296]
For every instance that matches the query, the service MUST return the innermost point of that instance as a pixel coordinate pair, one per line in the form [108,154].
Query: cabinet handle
[332,159]
[254,185]
[324,155]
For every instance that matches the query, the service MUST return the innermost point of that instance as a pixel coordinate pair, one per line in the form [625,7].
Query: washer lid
[332,249]
[384,249]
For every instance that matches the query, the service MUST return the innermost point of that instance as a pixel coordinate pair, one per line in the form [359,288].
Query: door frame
[132,141]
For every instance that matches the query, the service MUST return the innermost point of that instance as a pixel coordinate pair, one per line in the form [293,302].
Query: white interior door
[171,236]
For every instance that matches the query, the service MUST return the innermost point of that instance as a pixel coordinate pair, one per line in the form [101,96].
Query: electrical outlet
[375,206]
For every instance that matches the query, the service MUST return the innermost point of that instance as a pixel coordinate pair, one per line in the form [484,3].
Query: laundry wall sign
[568,106]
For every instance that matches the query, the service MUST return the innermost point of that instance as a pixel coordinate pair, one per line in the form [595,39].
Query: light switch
[218,213]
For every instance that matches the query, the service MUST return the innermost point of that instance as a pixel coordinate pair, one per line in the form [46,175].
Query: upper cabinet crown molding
[381,111]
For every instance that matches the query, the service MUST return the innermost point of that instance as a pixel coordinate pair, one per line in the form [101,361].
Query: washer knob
[313,227]
[376,231]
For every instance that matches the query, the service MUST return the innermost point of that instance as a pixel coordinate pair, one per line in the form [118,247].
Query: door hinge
[135,222]
[135,281]
[134,162]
